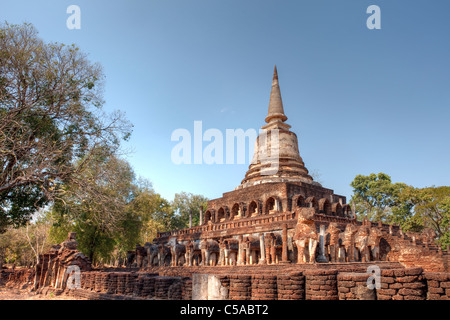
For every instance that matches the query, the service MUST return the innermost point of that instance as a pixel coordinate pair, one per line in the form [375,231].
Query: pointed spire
[276,111]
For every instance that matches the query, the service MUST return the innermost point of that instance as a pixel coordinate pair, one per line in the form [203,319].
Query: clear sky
[359,100]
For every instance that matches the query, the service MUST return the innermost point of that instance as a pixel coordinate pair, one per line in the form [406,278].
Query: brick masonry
[313,284]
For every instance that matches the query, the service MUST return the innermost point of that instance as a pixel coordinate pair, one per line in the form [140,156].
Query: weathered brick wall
[175,290]
[264,287]
[162,285]
[419,256]
[240,287]
[112,283]
[186,289]
[101,281]
[402,284]
[291,286]
[137,285]
[17,278]
[353,286]
[321,285]
[148,287]
[438,286]
[121,283]
[87,280]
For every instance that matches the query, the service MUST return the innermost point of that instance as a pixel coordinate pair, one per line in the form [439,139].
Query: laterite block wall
[319,284]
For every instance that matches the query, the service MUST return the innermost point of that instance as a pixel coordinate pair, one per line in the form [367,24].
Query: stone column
[322,258]
[262,249]
[284,253]
[201,216]
[190,218]
[240,253]
[273,253]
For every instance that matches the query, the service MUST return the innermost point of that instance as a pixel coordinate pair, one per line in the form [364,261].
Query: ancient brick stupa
[277,179]
[276,157]
[263,206]
[280,215]
[278,235]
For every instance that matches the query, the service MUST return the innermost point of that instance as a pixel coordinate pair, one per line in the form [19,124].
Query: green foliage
[18,205]
[374,195]
[412,208]
[154,212]
[433,206]
[95,206]
[185,204]
[51,118]
[22,246]
[111,211]
[14,247]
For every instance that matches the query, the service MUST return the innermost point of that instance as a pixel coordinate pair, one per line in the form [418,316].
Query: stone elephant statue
[349,242]
[164,255]
[374,240]
[230,251]
[272,247]
[177,251]
[131,256]
[362,243]
[192,250]
[333,243]
[152,254]
[306,235]
[210,252]
[141,254]
[250,248]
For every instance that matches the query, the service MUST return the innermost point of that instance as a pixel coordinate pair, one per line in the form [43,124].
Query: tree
[430,208]
[412,208]
[374,195]
[14,248]
[37,233]
[403,211]
[52,122]
[186,204]
[155,213]
[95,206]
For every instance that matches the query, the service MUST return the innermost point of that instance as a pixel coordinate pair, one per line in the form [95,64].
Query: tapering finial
[276,111]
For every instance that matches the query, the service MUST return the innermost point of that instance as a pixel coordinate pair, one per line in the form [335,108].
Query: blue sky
[359,100]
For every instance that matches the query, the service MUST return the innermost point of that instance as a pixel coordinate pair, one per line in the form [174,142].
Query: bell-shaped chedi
[276,155]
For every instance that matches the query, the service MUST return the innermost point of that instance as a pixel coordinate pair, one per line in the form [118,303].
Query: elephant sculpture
[177,251]
[141,253]
[230,251]
[362,243]
[210,251]
[164,255]
[222,246]
[152,254]
[305,235]
[131,256]
[333,242]
[375,235]
[248,250]
[349,242]
[192,251]
[272,245]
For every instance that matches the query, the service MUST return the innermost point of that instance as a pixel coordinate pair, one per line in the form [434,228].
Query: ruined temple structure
[59,263]
[278,235]
[280,215]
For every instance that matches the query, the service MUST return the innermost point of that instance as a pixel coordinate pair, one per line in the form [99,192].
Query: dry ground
[18,294]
